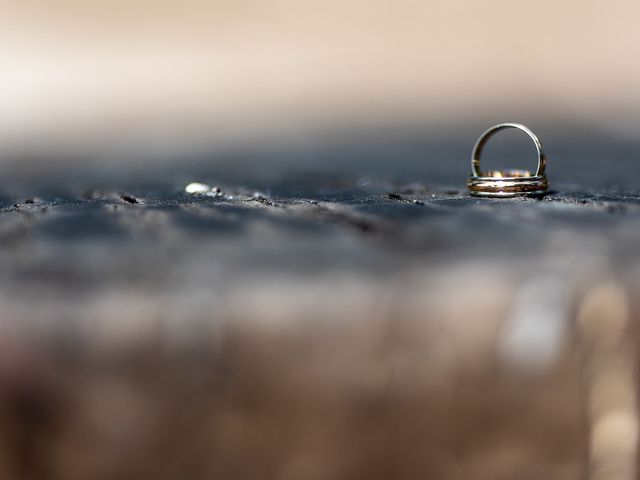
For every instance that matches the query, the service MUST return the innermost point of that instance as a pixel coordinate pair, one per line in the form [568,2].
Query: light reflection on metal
[507,183]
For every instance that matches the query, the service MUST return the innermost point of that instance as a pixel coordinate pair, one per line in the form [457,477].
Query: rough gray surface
[332,314]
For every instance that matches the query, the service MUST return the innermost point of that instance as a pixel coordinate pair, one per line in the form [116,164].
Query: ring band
[507,183]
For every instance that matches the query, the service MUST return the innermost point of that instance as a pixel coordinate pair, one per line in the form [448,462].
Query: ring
[507,183]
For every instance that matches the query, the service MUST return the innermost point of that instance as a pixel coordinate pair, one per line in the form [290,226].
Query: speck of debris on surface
[259,197]
[215,192]
[129,199]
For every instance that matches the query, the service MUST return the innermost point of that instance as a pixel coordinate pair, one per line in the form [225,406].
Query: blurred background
[174,76]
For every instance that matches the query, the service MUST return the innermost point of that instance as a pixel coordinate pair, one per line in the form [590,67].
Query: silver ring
[507,183]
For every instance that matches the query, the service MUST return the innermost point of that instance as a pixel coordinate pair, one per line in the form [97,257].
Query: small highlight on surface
[196,188]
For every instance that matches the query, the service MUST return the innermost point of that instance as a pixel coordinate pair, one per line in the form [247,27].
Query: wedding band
[507,183]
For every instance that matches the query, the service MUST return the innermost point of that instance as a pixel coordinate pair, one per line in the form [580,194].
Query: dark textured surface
[337,312]
[405,191]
